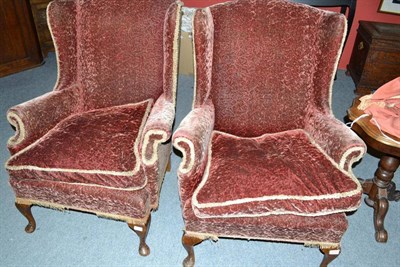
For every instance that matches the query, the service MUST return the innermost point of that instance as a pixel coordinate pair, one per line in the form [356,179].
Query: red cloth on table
[384,106]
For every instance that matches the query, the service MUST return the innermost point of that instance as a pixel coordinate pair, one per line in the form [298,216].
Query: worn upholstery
[102,151]
[263,155]
[99,141]
[270,174]
[288,228]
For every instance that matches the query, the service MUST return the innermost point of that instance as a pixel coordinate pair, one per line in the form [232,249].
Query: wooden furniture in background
[39,8]
[375,59]
[379,189]
[19,45]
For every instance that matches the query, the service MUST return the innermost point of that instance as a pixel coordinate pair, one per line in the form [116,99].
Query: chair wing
[261,148]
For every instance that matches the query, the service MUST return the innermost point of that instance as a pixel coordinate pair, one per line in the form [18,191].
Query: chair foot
[26,211]
[188,243]
[329,255]
[141,230]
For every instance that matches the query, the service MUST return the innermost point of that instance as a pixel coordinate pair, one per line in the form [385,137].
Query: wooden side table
[379,189]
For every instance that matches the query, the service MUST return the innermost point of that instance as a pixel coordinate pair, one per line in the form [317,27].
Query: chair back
[117,49]
[265,64]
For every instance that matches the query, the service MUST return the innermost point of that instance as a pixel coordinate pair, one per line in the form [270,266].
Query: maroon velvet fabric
[160,119]
[111,55]
[99,140]
[291,228]
[40,115]
[156,172]
[255,87]
[110,66]
[104,47]
[133,204]
[197,128]
[171,37]
[335,139]
[62,20]
[283,168]
[162,115]
[266,67]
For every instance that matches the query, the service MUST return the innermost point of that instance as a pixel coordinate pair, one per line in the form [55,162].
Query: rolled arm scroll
[157,130]
[34,118]
[193,137]
[336,139]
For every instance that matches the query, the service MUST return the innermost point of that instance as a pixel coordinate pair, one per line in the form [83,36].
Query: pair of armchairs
[263,156]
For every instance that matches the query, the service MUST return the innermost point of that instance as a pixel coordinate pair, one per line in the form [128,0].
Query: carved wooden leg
[381,207]
[329,255]
[378,196]
[367,185]
[141,230]
[188,242]
[26,211]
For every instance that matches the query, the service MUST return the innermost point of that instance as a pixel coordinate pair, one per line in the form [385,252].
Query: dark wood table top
[370,133]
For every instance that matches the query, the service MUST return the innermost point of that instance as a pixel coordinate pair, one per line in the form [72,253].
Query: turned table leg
[377,190]
[188,243]
[329,255]
[26,211]
[141,230]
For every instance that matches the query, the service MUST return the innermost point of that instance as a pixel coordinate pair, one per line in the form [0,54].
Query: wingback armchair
[99,142]
[263,156]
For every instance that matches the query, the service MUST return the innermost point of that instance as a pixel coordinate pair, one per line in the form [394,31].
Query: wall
[366,10]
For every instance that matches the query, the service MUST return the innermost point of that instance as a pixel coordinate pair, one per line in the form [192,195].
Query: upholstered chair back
[265,67]
[111,49]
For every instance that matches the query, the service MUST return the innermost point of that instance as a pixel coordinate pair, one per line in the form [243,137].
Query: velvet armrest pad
[336,139]
[158,129]
[34,118]
[193,137]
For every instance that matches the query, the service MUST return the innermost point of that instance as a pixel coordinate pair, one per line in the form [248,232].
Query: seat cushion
[97,148]
[281,173]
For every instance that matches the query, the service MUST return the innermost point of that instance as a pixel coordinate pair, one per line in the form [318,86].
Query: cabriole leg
[329,255]
[188,243]
[141,230]
[26,211]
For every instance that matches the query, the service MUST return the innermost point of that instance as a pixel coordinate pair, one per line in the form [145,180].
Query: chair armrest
[34,118]
[336,139]
[193,137]
[157,130]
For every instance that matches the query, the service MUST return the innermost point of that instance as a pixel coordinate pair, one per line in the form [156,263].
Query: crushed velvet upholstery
[99,142]
[103,149]
[288,228]
[263,155]
[270,174]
